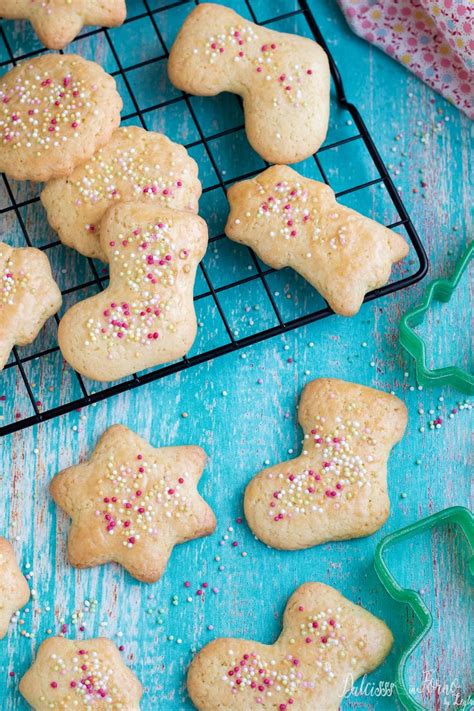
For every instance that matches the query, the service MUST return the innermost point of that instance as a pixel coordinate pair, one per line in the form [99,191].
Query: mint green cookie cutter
[439,290]
[465,520]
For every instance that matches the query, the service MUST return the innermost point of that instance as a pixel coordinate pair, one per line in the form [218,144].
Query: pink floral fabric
[435,39]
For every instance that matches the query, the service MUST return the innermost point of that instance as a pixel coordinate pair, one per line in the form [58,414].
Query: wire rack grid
[39,363]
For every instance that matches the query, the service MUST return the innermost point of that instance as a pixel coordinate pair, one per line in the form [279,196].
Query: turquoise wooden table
[241,410]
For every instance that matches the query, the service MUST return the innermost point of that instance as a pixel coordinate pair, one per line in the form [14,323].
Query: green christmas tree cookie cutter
[465,520]
[439,290]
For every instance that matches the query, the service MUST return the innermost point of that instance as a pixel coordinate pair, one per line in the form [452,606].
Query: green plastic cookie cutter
[439,290]
[465,520]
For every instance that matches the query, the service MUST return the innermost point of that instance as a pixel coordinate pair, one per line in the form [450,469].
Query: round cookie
[146,315]
[28,296]
[55,111]
[136,165]
[57,22]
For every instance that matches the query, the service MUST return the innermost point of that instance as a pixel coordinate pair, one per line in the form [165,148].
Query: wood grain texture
[255,422]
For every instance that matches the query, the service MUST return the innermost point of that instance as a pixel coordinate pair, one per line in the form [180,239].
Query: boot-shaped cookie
[132,503]
[28,296]
[283,79]
[327,642]
[146,315]
[291,221]
[135,166]
[86,674]
[14,590]
[57,22]
[337,488]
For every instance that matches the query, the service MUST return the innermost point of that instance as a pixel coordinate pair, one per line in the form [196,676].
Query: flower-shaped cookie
[84,675]
[14,590]
[135,166]
[57,22]
[291,221]
[327,642]
[283,79]
[132,503]
[146,315]
[337,488]
[56,110]
[28,296]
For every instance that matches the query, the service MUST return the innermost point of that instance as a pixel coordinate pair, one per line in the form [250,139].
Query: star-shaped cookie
[146,315]
[337,488]
[135,166]
[291,221]
[83,675]
[14,590]
[326,643]
[57,22]
[28,296]
[131,503]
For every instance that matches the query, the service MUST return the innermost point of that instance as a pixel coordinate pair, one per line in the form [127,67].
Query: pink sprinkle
[309,71]
[54,684]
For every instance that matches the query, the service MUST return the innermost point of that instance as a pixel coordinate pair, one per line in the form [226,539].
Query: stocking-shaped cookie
[337,488]
[57,22]
[14,590]
[326,643]
[146,315]
[132,503]
[135,166]
[84,675]
[28,296]
[283,79]
[291,221]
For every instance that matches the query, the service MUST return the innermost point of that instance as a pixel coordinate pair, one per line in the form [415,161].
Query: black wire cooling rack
[212,290]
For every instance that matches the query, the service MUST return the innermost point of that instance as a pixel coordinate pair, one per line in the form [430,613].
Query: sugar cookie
[56,110]
[283,79]
[337,488]
[14,590]
[57,22]
[326,643]
[132,503]
[146,315]
[291,221]
[136,165]
[85,674]
[28,296]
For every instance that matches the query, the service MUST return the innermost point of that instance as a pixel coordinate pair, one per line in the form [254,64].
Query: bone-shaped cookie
[14,590]
[291,221]
[337,488]
[135,166]
[132,503]
[57,22]
[83,675]
[327,642]
[146,315]
[283,79]
[28,296]
[56,110]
